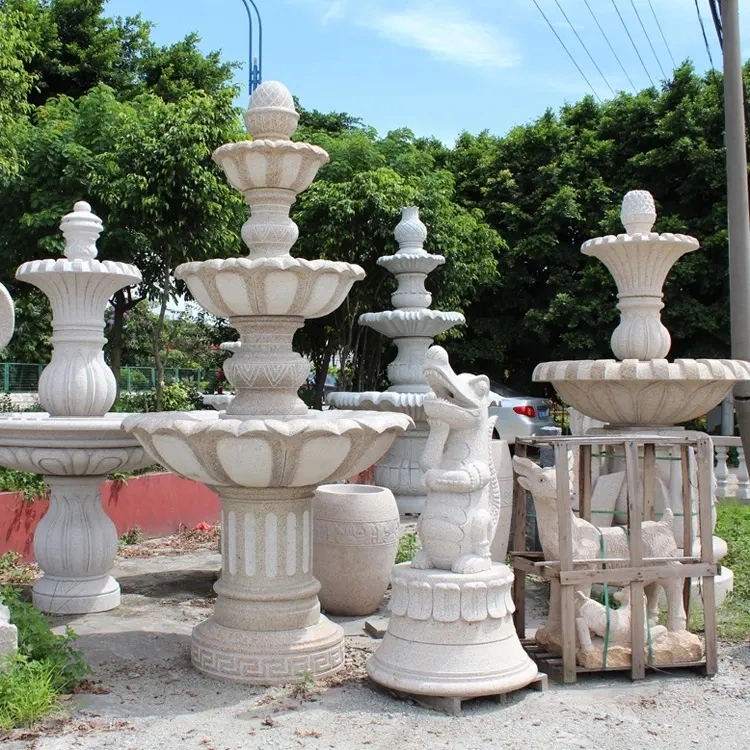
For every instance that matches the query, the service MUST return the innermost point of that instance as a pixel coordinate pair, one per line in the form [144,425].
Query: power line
[609,44]
[716,15]
[627,31]
[585,48]
[703,31]
[648,39]
[664,39]
[570,55]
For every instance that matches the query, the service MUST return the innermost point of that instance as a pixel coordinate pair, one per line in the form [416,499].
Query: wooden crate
[638,571]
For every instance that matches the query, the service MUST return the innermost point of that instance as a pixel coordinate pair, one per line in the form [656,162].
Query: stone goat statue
[658,541]
[463,493]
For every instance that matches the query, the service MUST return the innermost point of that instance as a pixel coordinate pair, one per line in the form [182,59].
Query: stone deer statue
[591,617]
[658,541]
[463,493]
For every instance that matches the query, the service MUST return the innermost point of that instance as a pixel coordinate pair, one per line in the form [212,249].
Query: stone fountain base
[451,635]
[267,658]
[75,597]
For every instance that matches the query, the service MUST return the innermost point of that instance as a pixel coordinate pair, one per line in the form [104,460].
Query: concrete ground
[144,694]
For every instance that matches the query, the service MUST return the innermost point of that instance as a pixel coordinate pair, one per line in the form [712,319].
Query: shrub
[37,643]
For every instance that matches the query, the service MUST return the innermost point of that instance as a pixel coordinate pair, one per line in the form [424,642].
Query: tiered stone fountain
[266,454]
[76,443]
[412,326]
[641,389]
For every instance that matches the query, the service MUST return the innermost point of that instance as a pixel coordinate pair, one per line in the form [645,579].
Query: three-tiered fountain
[266,454]
[412,326]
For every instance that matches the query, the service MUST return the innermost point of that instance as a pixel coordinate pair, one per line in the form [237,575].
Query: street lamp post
[255,64]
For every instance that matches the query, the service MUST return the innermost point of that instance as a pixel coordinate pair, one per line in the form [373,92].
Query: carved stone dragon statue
[463,493]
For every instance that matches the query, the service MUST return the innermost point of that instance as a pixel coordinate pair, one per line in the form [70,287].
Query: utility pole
[738,207]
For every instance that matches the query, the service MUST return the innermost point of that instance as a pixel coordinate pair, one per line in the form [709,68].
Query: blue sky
[443,66]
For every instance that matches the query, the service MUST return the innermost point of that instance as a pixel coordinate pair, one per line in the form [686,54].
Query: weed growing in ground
[14,571]
[131,536]
[408,546]
[27,692]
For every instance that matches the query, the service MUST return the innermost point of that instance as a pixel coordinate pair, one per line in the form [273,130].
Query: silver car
[519,416]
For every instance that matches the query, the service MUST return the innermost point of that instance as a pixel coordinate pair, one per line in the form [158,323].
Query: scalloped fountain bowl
[269,286]
[301,452]
[68,446]
[634,392]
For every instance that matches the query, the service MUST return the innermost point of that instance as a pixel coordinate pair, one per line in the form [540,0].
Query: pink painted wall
[157,503]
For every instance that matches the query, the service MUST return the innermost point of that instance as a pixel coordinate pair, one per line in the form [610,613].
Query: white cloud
[441,27]
[448,33]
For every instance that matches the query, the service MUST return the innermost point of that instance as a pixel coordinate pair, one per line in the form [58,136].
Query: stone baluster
[743,480]
[721,470]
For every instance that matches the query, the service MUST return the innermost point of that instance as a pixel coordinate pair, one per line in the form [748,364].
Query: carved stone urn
[356,530]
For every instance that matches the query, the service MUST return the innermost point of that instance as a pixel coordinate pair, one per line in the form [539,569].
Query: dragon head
[459,400]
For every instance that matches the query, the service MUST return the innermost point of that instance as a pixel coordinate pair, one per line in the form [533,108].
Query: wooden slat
[687,520]
[519,543]
[584,481]
[639,574]
[649,480]
[617,560]
[635,514]
[565,529]
[705,456]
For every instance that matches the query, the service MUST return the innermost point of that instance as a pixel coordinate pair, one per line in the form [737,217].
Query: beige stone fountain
[267,453]
[641,389]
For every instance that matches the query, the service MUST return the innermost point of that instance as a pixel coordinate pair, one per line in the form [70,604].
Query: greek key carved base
[267,657]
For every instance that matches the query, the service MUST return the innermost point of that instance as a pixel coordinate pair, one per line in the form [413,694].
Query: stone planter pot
[355,539]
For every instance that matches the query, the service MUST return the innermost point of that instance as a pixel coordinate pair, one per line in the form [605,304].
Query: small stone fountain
[76,443]
[641,389]
[412,326]
[265,455]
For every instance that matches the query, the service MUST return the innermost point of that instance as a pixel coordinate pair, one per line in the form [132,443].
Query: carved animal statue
[658,539]
[591,617]
[463,494]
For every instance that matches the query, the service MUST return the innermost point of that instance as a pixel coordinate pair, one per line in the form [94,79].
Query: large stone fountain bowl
[401,323]
[269,286]
[301,451]
[69,446]
[634,392]
[263,163]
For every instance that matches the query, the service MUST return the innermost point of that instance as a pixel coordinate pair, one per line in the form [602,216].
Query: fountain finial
[81,229]
[410,232]
[271,114]
[638,212]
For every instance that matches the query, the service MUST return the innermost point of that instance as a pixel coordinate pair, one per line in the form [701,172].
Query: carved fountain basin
[269,286]
[68,446]
[306,450]
[654,392]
